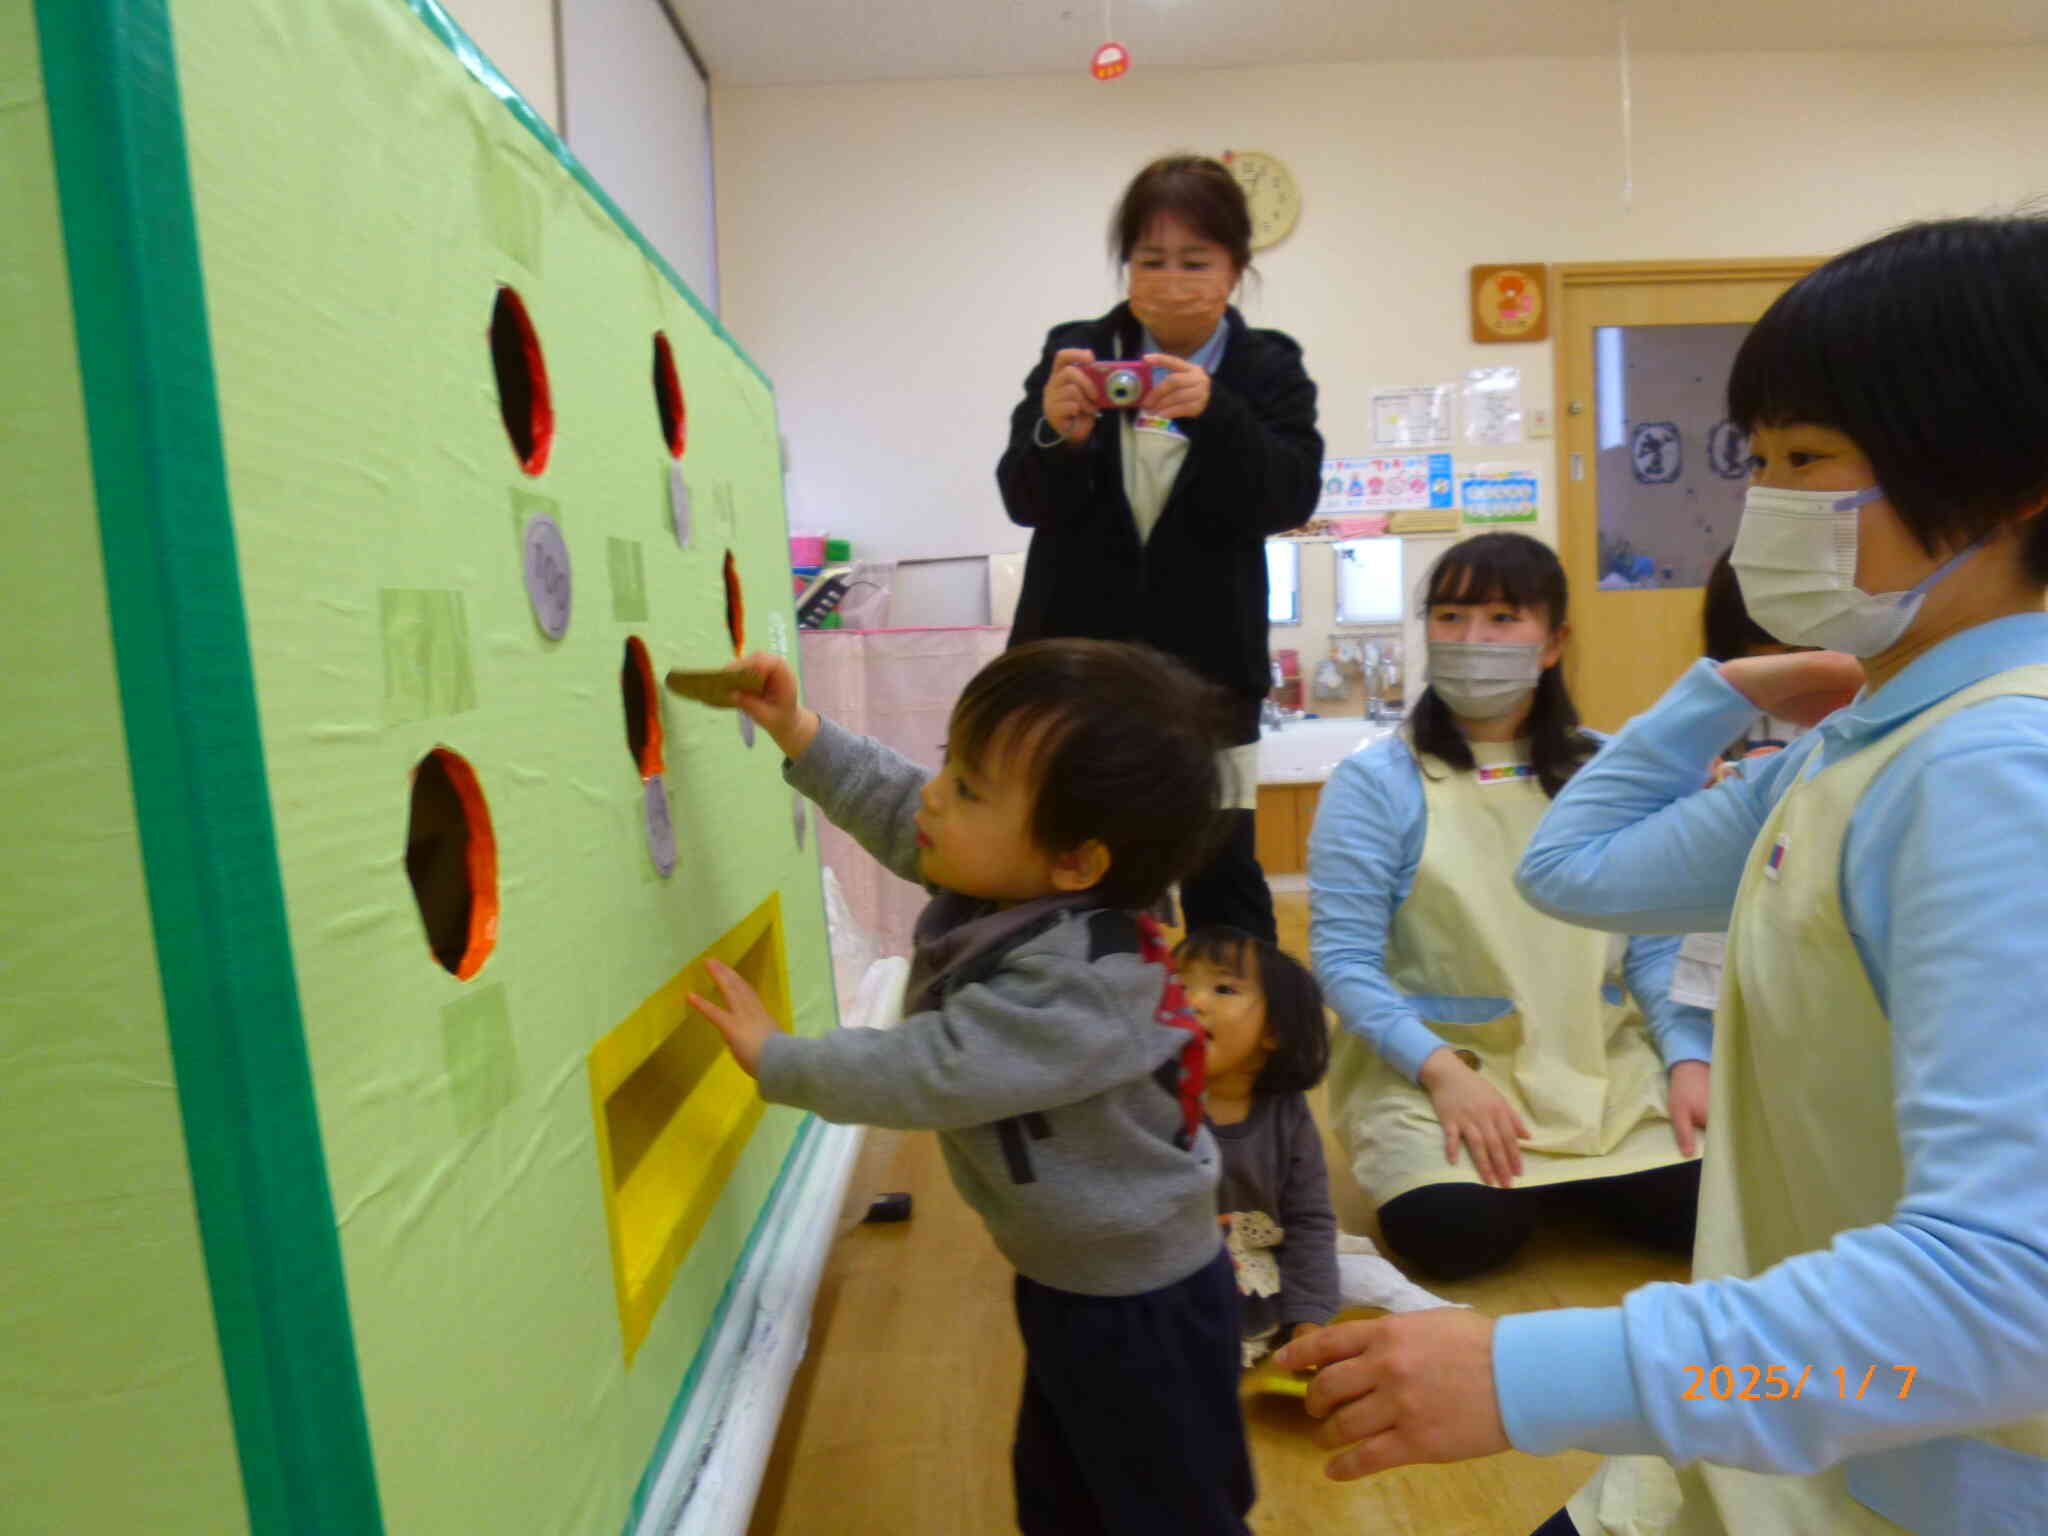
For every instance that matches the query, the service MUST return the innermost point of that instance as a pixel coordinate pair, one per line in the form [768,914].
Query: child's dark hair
[1294,1003]
[1929,348]
[1521,572]
[1726,629]
[1124,742]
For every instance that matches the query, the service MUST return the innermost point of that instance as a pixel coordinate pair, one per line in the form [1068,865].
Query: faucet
[1378,670]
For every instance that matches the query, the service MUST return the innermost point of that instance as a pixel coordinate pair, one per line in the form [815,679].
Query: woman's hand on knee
[1688,1102]
[1474,1112]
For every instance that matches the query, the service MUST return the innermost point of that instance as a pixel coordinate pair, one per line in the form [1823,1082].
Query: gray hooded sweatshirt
[1033,1043]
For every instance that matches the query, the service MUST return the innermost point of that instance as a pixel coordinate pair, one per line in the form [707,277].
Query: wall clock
[1271,191]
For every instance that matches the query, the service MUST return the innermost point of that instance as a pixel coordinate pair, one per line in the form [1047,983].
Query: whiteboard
[637,111]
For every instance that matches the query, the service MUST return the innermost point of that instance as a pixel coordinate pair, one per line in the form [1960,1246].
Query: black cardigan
[1197,588]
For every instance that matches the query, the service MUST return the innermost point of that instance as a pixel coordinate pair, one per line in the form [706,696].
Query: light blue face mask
[1795,558]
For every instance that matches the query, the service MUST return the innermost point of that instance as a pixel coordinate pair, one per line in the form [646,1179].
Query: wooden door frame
[1578,526]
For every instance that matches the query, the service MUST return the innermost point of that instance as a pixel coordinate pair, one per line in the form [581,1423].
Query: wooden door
[1650,472]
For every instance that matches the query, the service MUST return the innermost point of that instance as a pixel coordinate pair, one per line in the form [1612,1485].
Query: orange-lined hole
[523,398]
[668,397]
[643,708]
[735,606]
[451,858]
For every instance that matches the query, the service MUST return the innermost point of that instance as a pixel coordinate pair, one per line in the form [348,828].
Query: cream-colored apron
[1539,1002]
[1805,1146]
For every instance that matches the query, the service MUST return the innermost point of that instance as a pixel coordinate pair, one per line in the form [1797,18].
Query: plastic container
[838,551]
[807,549]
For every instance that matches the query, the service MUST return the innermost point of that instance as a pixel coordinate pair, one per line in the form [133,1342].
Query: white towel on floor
[1365,1279]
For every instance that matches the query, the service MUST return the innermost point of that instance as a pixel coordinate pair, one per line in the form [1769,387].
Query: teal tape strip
[445,27]
[188,700]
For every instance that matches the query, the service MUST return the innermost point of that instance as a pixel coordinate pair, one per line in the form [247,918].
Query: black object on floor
[891,1207]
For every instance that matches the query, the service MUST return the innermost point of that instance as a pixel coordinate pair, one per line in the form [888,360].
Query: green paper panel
[360,198]
[113,1406]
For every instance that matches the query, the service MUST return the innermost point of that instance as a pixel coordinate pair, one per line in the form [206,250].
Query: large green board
[287,428]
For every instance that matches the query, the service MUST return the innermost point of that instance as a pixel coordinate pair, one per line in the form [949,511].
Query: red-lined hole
[451,858]
[523,398]
[643,708]
[668,397]
[735,606]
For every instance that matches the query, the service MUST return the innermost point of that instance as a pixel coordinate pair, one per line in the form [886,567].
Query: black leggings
[1231,888]
[1450,1231]
[1559,1524]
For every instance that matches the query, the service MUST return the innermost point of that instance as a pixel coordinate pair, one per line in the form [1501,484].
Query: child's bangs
[1228,949]
[1017,716]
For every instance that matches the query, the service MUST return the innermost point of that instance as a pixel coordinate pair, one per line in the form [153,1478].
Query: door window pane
[1672,468]
[1369,581]
[1283,581]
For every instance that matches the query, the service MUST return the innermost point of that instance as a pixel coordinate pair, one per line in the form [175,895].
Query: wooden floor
[899,1421]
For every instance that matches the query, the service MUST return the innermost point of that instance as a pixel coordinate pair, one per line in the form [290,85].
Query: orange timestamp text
[1773,1383]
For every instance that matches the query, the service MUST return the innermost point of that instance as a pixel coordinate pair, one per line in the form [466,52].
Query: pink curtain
[897,685]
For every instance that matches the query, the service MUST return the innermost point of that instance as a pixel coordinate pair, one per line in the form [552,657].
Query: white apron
[1805,1146]
[1538,1002]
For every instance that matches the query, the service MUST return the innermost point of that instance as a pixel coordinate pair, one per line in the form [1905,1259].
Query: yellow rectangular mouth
[674,1112]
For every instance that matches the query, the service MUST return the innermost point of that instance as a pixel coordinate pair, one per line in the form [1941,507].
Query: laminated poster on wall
[1412,417]
[1494,494]
[1493,405]
[1389,483]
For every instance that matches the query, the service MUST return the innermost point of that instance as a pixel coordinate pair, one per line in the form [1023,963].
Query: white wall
[519,37]
[892,253]
[638,116]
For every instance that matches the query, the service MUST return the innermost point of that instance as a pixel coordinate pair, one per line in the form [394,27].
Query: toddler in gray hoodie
[1046,1040]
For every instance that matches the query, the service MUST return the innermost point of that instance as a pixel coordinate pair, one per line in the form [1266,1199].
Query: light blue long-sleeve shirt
[1362,857]
[1944,885]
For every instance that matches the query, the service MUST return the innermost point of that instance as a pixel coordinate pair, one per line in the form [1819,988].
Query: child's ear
[1082,868]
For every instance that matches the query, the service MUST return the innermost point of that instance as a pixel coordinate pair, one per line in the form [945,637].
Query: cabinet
[1281,826]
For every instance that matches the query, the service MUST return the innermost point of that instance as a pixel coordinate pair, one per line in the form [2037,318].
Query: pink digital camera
[1119,386]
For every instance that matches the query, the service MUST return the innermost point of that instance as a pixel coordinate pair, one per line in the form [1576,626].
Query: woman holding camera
[1149,517]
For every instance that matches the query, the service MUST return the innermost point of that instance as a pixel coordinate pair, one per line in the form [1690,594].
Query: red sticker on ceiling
[1110,60]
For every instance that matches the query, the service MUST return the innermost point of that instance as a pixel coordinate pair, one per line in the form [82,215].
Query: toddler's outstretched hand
[745,1020]
[777,708]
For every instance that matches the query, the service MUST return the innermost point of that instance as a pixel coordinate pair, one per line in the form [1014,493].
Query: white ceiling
[789,42]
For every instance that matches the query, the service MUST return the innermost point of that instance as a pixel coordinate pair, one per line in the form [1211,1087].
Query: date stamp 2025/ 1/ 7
[1757,1383]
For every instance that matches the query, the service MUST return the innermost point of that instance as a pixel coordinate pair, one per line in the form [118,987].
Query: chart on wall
[1672,466]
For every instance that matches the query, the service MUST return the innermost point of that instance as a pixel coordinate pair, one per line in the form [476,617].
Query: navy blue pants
[1130,1423]
[1559,1524]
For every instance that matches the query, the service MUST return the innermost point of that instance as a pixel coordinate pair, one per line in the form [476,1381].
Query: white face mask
[1483,680]
[1795,559]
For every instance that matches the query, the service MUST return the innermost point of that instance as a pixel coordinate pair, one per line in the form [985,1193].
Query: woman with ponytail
[1489,1060]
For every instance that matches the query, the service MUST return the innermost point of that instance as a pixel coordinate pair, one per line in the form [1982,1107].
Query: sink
[1306,751]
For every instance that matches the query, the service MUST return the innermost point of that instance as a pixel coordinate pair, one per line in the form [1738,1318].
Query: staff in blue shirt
[1868,1325]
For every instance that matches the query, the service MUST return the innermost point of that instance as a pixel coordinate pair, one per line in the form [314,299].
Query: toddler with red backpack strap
[1046,1040]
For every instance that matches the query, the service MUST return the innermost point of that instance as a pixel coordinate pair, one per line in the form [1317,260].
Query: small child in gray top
[1269,1042]
[1046,1040]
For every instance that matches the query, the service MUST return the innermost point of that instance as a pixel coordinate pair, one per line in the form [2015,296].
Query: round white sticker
[661,832]
[547,575]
